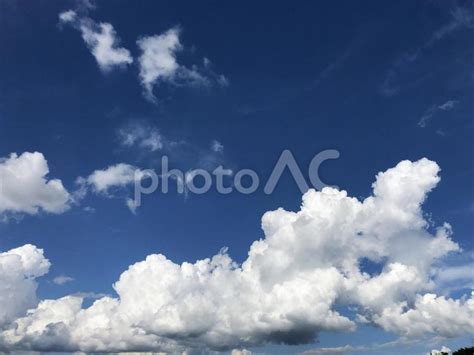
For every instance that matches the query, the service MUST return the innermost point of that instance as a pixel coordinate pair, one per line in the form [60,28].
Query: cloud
[107,181]
[19,269]
[217,146]
[101,39]
[290,287]
[24,187]
[67,16]
[61,280]
[460,17]
[159,64]
[136,134]
[431,111]
[448,105]
[118,175]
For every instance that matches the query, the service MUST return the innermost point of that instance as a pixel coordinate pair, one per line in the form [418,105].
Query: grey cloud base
[287,289]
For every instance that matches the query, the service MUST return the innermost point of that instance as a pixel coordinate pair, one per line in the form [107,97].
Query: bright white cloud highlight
[25,188]
[287,290]
[118,175]
[18,270]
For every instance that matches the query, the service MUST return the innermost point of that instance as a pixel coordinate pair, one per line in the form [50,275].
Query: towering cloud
[296,281]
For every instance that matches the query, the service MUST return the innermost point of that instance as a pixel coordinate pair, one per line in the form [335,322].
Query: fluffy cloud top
[101,39]
[24,187]
[18,269]
[287,290]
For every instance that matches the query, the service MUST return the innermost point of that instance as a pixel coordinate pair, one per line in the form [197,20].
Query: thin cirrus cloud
[169,307]
[26,189]
[158,62]
[460,18]
[433,110]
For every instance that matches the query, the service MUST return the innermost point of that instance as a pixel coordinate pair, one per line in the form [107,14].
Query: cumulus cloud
[118,175]
[18,270]
[101,39]
[159,64]
[107,181]
[25,188]
[290,287]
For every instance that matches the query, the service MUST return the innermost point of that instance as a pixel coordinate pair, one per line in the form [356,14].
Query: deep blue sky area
[305,76]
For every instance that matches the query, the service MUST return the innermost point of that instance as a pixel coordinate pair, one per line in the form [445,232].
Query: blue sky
[379,82]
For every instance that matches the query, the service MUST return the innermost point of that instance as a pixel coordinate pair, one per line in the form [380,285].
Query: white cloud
[67,16]
[18,270]
[24,187]
[62,279]
[107,181]
[287,290]
[118,175]
[159,64]
[101,39]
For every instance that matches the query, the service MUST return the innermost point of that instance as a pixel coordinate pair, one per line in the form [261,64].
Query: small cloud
[159,64]
[67,16]
[137,134]
[100,38]
[449,105]
[433,110]
[89,209]
[107,181]
[217,146]
[61,280]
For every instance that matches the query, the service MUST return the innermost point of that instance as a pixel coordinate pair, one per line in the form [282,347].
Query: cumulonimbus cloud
[291,286]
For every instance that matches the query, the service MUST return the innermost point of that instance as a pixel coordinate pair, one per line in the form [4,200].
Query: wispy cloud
[217,146]
[460,18]
[142,136]
[434,109]
[61,280]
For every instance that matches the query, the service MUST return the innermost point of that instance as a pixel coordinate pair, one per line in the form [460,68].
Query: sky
[94,94]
